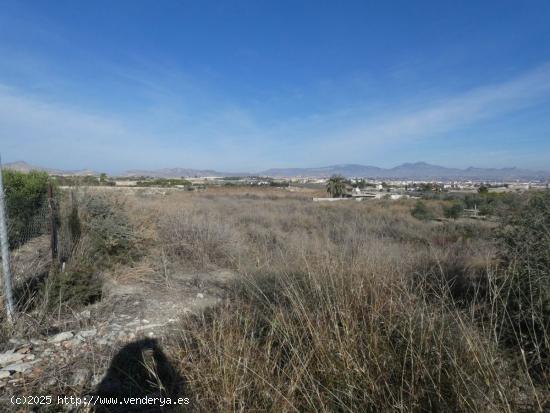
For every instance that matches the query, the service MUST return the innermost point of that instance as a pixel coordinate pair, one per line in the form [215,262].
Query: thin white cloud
[434,117]
[57,135]
[234,137]
[34,129]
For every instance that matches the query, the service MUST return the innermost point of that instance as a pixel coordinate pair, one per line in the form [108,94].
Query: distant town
[417,178]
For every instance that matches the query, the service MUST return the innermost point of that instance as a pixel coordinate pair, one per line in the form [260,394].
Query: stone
[71,343]
[87,333]
[4,374]
[37,341]
[200,295]
[84,314]
[60,337]
[19,367]
[9,358]
[23,350]
[148,326]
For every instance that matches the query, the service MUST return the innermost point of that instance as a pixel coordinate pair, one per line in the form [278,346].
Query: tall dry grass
[346,307]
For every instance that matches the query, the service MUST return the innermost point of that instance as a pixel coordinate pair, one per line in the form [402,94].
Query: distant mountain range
[22,166]
[418,171]
[181,172]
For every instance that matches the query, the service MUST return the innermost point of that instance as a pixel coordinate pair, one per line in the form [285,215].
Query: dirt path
[78,355]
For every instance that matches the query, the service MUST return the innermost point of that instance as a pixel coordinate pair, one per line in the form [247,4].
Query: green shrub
[106,225]
[453,211]
[422,212]
[26,196]
[100,235]
[525,282]
[486,210]
[78,286]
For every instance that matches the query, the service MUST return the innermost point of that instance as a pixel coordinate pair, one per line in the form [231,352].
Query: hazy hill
[417,170]
[22,166]
[180,172]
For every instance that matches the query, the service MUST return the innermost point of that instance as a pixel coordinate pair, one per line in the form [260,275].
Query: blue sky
[248,85]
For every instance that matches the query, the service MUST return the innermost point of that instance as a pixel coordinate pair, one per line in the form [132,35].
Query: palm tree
[336,186]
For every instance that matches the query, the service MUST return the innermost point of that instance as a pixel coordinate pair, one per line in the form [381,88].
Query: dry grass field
[347,307]
[344,307]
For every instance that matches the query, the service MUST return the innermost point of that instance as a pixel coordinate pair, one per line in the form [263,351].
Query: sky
[250,85]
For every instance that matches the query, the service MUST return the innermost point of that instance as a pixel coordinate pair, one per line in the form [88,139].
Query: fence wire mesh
[30,238]
[21,231]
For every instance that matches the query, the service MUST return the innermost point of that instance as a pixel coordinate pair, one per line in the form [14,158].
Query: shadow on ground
[141,369]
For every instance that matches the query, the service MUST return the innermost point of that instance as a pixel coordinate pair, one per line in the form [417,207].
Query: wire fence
[30,245]
[32,237]
[21,231]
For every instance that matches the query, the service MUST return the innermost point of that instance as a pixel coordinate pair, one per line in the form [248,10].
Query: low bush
[422,212]
[107,228]
[300,342]
[79,285]
[524,283]
[453,211]
[96,234]
[26,197]
[201,240]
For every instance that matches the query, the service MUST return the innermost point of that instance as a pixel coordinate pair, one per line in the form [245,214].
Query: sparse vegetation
[164,182]
[421,211]
[338,307]
[453,211]
[524,284]
[353,308]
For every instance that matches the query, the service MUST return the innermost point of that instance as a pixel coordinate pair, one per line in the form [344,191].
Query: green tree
[483,189]
[336,186]
[453,211]
[421,211]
